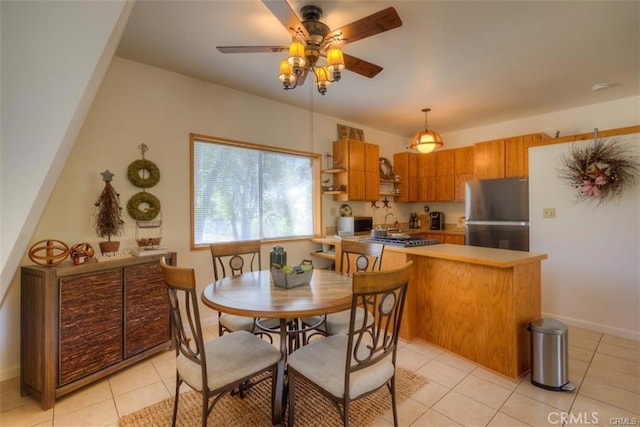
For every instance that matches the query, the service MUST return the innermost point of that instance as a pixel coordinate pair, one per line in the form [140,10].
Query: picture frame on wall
[347,132]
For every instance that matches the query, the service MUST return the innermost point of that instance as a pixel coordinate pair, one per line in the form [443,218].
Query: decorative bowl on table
[292,276]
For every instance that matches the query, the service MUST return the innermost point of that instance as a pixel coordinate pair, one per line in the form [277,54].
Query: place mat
[312,409]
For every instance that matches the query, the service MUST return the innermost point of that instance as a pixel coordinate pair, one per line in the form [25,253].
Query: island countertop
[501,258]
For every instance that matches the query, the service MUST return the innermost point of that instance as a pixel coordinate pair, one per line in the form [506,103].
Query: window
[243,191]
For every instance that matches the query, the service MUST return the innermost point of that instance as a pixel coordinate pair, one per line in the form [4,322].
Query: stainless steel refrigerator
[497,213]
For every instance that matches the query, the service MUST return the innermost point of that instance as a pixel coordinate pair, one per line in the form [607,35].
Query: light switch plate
[548,212]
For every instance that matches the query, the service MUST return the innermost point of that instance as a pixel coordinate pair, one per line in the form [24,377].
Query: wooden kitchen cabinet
[80,323]
[504,158]
[497,295]
[371,172]
[361,177]
[463,171]
[445,170]
[444,237]
[406,166]
[456,239]
[488,159]
[427,178]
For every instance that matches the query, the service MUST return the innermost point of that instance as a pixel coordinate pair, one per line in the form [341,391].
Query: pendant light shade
[426,140]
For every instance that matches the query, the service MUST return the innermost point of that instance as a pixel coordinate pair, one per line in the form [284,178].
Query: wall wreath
[146,213]
[600,172]
[138,171]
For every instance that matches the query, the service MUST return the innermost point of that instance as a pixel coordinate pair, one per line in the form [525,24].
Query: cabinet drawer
[90,327]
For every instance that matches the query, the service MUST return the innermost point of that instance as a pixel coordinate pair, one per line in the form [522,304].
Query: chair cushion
[323,362]
[233,322]
[230,358]
[338,323]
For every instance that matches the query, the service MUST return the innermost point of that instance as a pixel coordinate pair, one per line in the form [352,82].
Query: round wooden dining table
[254,294]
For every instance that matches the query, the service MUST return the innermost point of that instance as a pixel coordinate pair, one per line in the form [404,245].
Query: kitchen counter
[475,302]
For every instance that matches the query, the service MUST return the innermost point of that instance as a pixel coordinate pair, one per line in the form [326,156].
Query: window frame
[316,176]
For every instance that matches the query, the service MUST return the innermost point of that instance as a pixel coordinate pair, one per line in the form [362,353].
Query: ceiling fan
[313,39]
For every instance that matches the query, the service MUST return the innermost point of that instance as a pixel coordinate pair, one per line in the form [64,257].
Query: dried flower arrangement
[108,217]
[601,172]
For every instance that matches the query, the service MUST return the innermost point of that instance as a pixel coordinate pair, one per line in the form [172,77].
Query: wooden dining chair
[347,367]
[218,366]
[231,259]
[355,256]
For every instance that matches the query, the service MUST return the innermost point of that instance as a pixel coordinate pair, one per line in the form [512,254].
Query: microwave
[349,225]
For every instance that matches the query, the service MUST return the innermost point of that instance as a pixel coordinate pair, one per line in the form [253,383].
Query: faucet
[385,219]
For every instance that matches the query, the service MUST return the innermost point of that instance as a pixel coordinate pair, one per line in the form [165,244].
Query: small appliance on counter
[436,220]
[349,225]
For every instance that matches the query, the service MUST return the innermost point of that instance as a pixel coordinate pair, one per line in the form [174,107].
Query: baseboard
[597,327]
[10,373]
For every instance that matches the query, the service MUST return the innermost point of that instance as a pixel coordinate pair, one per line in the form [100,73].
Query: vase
[111,246]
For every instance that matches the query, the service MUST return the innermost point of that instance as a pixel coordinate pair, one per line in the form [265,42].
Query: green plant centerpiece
[108,215]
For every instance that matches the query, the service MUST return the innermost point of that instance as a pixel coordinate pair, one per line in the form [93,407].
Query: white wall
[54,55]
[592,276]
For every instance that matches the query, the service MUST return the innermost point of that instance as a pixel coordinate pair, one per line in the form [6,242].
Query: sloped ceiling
[472,62]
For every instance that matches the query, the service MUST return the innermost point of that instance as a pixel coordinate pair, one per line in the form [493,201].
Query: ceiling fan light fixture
[312,39]
[297,56]
[335,62]
[287,77]
[322,79]
[426,140]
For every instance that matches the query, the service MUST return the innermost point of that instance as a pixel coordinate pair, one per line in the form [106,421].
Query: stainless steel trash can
[549,355]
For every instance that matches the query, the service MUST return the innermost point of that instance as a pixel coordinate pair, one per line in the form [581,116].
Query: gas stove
[402,242]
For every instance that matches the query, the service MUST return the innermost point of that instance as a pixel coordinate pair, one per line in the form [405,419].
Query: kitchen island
[475,302]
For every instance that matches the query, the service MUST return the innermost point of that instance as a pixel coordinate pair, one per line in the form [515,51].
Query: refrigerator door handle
[514,223]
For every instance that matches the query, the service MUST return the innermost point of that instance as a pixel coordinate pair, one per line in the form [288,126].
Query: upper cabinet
[426,177]
[361,178]
[427,186]
[504,158]
[441,176]
[405,165]
[445,171]
[463,171]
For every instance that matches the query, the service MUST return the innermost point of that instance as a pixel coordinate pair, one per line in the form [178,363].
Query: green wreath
[133,206]
[133,173]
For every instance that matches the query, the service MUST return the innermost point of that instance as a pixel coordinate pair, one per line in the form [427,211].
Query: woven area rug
[312,409]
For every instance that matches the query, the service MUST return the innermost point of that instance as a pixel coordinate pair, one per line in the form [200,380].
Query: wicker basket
[299,277]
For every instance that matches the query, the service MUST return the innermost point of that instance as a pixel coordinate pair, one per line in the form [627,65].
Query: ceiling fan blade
[252,49]
[360,66]
[385,20]
[287,17]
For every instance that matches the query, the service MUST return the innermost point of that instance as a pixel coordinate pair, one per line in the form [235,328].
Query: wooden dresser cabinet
[80,323]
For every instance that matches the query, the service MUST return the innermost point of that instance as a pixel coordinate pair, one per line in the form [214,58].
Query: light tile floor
[604,368]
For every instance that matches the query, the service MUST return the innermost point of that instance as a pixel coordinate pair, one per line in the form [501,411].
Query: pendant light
[426,140]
